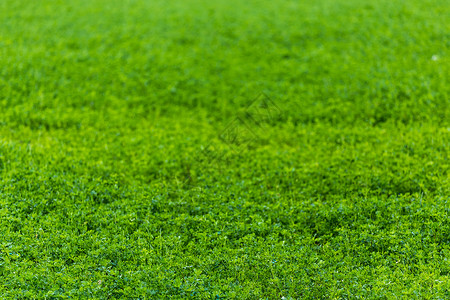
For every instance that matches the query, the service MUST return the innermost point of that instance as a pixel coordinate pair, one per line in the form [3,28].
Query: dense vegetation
[224,149]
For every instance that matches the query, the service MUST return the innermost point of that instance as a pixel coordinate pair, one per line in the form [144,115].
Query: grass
[131,165]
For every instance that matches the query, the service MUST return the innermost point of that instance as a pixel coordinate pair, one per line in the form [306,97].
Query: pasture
[224,149]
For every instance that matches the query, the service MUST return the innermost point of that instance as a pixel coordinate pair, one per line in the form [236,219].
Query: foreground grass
[106,108]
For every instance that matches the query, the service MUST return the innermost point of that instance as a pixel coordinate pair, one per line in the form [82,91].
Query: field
[224,149]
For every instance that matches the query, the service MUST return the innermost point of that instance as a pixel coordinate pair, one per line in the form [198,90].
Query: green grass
[108,109]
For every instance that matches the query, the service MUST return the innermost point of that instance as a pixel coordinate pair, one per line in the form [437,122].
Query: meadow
[224,149]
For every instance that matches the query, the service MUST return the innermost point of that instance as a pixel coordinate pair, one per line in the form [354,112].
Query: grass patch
[224,149]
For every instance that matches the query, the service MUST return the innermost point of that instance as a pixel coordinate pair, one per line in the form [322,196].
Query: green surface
[107,109]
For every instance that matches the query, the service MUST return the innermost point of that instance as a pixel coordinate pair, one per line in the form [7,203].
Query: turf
[224,149]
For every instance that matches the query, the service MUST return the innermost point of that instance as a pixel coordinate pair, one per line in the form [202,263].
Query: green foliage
[119,179]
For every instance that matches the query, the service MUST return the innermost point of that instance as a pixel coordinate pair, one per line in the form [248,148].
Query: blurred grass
[105,107]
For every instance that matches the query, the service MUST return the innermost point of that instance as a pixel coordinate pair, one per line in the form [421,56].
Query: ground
[224,149]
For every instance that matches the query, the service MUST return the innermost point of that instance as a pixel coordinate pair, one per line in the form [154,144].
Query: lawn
[224,149]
